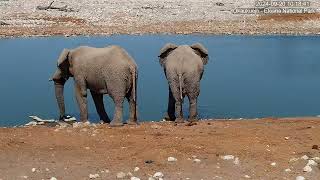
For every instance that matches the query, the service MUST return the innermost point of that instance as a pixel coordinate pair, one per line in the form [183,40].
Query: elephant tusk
[50,79]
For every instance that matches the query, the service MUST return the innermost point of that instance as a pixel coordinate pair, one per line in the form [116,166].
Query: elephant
[108,70]
[183,68]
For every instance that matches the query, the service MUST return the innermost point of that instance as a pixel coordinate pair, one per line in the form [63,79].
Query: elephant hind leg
[117,117]
[133,112]
[98,102]
[193,109]
[178,103]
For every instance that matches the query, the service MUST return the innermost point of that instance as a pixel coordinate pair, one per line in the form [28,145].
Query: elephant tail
[134,75]
[180,85]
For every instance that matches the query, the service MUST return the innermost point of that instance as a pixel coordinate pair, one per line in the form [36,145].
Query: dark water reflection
[254,76]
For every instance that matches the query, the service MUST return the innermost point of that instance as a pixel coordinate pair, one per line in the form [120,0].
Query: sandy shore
[75,153]
[99,17]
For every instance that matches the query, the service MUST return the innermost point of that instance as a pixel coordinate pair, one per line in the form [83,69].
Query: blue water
[247,76]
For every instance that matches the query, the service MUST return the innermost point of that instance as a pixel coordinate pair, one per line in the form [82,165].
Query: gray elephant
[183,67]
[109,70]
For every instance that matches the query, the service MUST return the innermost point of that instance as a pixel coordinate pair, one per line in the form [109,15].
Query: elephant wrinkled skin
[109,70]
[183,67]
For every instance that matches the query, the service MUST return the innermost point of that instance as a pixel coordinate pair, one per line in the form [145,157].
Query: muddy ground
[100,17]
[75,153]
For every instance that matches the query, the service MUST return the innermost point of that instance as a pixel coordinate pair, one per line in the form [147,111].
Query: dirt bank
[75,153]
[100,17]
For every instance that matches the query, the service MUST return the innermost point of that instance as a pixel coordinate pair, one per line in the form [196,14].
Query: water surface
[247,76]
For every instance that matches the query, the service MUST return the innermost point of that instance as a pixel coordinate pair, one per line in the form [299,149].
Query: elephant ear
[164,52]
[63,58]
[200,50]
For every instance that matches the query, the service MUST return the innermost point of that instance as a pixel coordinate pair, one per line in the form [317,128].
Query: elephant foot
[168,118]
[179,120]
[193,120]
[116,124]
[132,122]
[105,121]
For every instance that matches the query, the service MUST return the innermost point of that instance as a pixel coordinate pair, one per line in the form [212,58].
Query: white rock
[33,170]
[31,123]
[134,178]
[293,159]
[47,169]
[136,169]
[87,148]
[273,164]
[227,157]
[307,168]
[316,158]
[53,178]
[129,174]
[158,175]
[172,159]
[305,157]
[196,160]
[236,161]
[247,176]
[94,176]
[151,178]
[312,163]
[24,177]
[286,138]
[300,178]
[121,175]
[287,170]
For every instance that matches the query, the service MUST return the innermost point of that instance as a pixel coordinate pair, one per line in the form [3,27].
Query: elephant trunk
[60,99]
[59,82]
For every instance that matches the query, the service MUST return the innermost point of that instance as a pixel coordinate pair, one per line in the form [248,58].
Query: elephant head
[61,75]
[198,48]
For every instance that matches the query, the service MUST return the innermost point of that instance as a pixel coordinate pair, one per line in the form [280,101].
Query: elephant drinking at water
[183,67]
[109,70]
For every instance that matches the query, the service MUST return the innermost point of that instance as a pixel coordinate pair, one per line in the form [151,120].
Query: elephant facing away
[109,70]
[183,67]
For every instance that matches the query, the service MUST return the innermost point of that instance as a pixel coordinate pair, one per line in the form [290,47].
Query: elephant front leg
[170,115]
[81,96]
[117,118]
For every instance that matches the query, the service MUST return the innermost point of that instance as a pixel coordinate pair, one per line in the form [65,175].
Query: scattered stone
[273,164]
[24,177]
[121,175]
[293,159]
[155,126]
[286,138]
[305,157]
[105,171]
[94,176]
[227,157]
[316,158]
[33,170]
[172,159]
[87,148]
[315,147]
[307,168]
[151,178]
[149,161]
[84,130]
[287,170]
[219,4]
[31,123]
[53,178]
[158,175]
[136,169]
[4,23]
[300,178]
[196,160]
[312,162]
[129,174]
[247,176]
[47,169]
[134,178]
[236,161]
